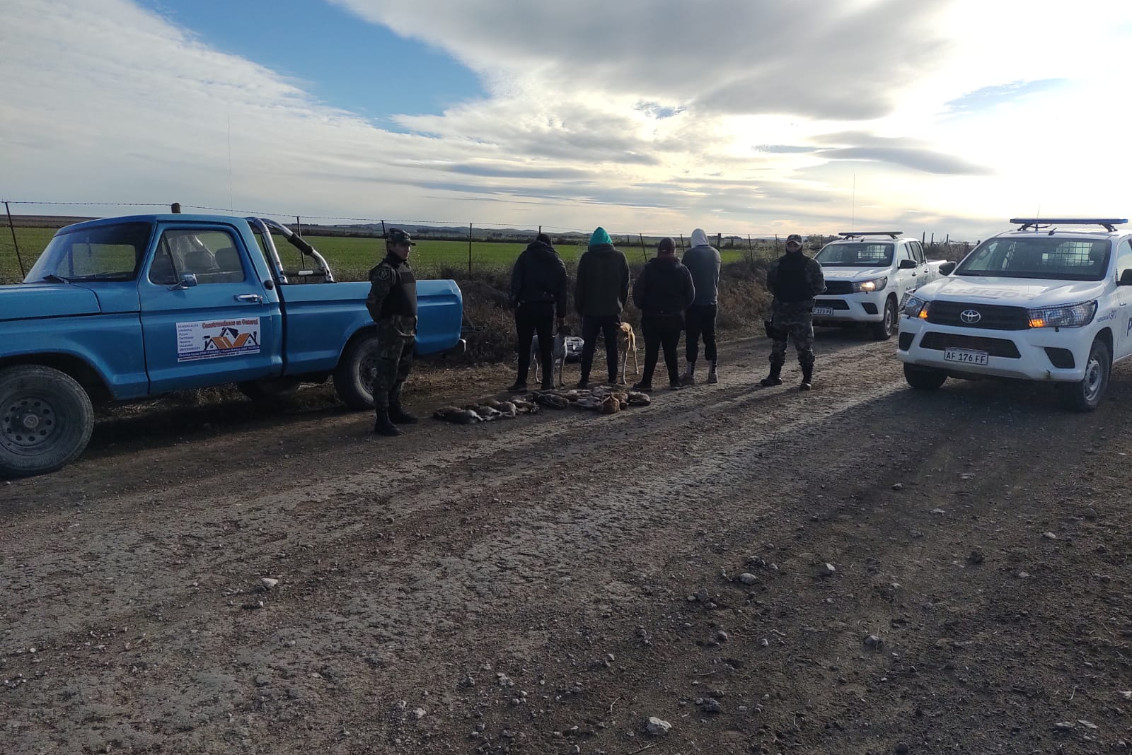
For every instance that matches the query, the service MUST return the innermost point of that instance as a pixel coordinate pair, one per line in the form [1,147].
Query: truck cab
[1048,301]
[867,275]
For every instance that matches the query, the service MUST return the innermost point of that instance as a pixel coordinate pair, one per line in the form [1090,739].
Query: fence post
[175,208]
[298,226]
[469,250]
[15,243]
[644,250]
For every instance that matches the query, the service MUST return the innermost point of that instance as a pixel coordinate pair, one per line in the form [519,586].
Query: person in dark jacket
[538,292]
[662,293]
[703,262]
[794,280]
[600,294]
[392,302]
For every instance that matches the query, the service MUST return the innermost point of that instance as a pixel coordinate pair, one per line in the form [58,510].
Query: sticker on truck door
[212,339]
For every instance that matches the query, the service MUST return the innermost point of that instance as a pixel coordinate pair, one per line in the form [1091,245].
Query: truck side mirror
[188,280]
[907,265]
[1125,278]
[946,268]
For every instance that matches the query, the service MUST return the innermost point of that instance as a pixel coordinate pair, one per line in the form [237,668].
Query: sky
[745,117]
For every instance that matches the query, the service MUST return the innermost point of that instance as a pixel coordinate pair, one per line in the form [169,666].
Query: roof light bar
[853,234]
[1035,223]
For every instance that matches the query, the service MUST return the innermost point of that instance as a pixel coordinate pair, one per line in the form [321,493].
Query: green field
[351,257]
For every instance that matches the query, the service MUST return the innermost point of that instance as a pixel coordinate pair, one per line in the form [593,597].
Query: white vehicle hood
[1022,292]
[854,273]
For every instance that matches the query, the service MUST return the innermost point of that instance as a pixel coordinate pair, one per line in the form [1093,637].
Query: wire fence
[352,244]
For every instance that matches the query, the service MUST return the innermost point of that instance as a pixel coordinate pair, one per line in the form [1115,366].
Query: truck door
[1122,301]
[206,317]
[907,279]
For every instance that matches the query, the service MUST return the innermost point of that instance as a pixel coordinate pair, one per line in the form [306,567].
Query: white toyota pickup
[867,274]
[1047,301]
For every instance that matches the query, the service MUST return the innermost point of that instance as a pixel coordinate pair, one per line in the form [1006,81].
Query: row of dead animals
[599,400]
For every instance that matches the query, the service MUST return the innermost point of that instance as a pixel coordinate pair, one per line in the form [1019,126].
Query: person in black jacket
[538,291]
[794,280]
[600,293]
[662,293]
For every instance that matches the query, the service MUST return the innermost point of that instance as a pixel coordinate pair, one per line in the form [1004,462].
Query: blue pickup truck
[120,309]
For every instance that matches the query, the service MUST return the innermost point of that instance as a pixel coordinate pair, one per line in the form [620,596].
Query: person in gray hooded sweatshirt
[703,261]
[600,293]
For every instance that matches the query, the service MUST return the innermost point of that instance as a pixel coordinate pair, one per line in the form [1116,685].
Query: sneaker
[642,387]
[712,378]
[768,382]
[688,378]
[674,386]
[806,386]
[518,387]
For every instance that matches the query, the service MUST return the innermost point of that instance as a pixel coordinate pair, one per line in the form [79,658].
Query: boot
[643,387]
[520,386]
[689,376]
[383,426]
[398,415]
[773,378]
[712,378]
[807,378]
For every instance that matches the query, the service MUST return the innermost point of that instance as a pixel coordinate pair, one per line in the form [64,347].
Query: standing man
[392,302]
[662,293]
[538,291]
[703,261]
[794,280]
[600,294]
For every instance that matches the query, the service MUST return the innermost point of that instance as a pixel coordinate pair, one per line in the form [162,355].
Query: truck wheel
[1085,395]
[270,389]
[353,378]
[886,328]
[924,378]
[45,420]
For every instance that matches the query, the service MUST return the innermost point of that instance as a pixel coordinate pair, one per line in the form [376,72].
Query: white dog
[557,354]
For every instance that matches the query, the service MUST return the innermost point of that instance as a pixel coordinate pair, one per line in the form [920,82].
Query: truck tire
[924,378]
[886,328]
[46,419]
[270,389]
[1086,394]
[353,378]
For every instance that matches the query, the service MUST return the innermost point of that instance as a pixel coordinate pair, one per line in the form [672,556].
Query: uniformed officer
[794,280]
[392,303]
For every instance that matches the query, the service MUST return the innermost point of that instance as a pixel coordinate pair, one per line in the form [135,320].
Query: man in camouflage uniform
[794,280]
[392,303]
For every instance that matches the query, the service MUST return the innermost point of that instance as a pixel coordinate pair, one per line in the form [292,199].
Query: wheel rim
[1094,379]
[367,371]
[27,422]
[889,318]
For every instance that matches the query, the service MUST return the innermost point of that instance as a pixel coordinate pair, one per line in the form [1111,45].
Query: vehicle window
[212,256]
[856,254]
[108,252]
[1048,258]
[1123,257]
[905,252]
[917,251]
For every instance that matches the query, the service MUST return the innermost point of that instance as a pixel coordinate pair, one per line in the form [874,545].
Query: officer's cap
[397,236]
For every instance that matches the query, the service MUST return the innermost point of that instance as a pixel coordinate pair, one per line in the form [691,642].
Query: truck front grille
[838,288]
[990,316]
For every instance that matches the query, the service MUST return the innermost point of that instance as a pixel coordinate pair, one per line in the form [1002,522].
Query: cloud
[992,96]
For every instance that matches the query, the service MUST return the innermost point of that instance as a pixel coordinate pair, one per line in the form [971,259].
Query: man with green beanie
[600,293]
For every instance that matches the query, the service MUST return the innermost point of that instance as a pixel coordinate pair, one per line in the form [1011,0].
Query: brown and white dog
[627,342]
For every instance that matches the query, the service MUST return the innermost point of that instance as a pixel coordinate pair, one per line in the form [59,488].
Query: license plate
[823,311]
[965,356]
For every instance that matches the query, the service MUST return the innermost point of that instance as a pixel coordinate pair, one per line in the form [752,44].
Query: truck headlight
[876,284]
[914,306]
[1064,316]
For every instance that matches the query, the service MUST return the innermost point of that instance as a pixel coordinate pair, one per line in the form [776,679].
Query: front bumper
[847,308]
[1046,354]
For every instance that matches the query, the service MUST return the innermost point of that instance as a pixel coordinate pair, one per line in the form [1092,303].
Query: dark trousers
[661,331]
[531,318]
[610,328]
[700,321]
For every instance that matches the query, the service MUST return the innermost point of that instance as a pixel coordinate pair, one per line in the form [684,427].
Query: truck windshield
[1045,258]
[105,252]
[855,254]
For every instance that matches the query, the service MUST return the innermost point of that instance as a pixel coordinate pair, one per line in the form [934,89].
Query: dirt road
[859,569]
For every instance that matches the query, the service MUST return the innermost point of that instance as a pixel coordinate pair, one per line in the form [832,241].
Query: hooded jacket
[539,275]
[664,287]
[602,287]
[703,261]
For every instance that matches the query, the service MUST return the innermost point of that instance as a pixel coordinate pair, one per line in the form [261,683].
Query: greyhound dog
[557,353]
[628,343]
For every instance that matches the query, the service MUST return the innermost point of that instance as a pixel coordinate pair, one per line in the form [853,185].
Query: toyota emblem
[970,316]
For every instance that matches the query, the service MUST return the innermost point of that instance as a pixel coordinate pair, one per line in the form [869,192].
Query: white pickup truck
[1048,301]
[867,275]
